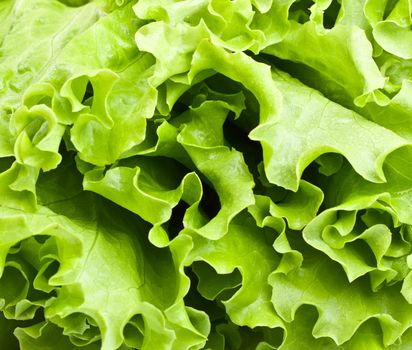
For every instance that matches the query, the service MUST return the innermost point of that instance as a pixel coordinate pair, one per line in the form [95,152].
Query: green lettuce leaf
[78,243]
[290,150]
[342,307]
[205,174]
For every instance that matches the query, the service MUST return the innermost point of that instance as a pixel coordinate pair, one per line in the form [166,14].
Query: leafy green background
[205,174]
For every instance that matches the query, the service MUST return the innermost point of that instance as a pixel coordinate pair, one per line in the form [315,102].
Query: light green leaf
[345,68]
[242,248]
[289,148]
[342,306]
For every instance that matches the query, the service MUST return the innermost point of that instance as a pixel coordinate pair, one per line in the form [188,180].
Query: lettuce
[207,174]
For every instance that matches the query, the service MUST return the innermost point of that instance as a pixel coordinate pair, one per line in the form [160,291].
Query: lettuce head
[205,174]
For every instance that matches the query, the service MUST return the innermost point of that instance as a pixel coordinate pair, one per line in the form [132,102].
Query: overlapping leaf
[205,174]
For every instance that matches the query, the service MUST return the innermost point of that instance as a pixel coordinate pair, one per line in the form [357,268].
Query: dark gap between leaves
[331,14]
[175,224]
[88,95]
[210,202]
[194,299]
[299,11]
[239,140]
